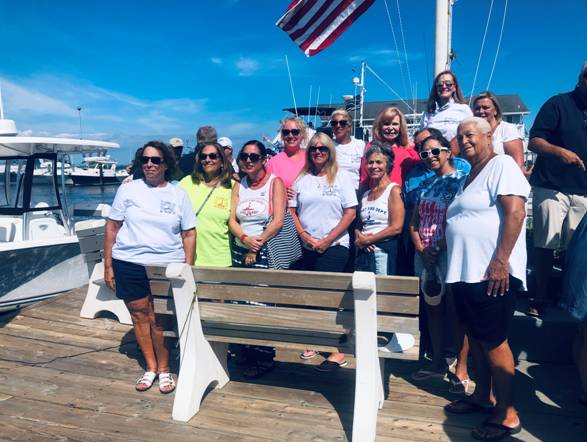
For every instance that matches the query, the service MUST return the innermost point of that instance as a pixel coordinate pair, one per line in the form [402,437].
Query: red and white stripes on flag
[315,24]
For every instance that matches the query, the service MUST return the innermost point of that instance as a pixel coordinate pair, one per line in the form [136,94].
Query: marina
[67,378]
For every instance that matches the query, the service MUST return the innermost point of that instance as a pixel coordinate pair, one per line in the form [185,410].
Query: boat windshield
[20,191]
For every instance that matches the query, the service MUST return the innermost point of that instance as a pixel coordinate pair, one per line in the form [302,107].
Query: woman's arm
[188,237]
[498,270]
[110,232]
[397,213]
[515,149]
[348,215]
[303,234]
[278,201]
[414,229]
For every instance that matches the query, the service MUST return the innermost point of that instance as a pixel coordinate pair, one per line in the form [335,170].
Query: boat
[97,170]
[39,251]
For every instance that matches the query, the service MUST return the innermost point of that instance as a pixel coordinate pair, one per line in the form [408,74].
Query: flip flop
[330,366]
[146,382]
[467,406]
[423,374]
[459,387]
[492,431]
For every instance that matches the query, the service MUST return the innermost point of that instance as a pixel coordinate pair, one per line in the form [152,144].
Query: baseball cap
[176,142]
[206,134]
[225,142]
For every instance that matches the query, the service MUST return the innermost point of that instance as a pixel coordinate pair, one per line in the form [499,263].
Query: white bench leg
[200,364]
[100,298]
[369,383]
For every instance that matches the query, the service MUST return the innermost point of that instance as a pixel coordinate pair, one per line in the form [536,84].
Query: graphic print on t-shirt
[167,207]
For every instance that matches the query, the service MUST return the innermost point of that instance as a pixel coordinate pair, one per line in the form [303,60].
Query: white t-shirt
[446,118]
[375,214]
[348,158]
[320,206]
[503,133]
[474,219]
[252,210]
[152,221]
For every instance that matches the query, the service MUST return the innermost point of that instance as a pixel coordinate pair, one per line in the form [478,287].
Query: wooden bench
[99,297]
[284,309]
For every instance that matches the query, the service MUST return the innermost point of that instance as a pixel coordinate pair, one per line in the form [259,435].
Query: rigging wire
[397,53]
[401,27]
[389,87]
[481,52]
[505,10]
[291,86]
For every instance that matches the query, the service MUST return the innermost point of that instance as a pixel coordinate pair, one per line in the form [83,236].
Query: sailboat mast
[362,92]
[442,46]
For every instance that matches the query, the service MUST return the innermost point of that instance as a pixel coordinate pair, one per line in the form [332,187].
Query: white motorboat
[39,251]
[97,170]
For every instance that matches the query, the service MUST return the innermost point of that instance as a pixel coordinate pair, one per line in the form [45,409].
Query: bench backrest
[313,303]
[90,234]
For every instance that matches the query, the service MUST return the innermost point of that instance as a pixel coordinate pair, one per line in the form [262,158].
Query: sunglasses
[154,160]
[204,156]
[448,84]
[322,149]
[435,151]
[341,123]
[286,132]
[253,157]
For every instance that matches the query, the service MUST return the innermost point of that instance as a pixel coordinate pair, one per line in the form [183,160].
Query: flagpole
[291,86]
[362,85]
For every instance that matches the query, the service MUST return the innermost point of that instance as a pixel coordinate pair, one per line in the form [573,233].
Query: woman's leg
[436,328]
[459,337]
[501,364]
[140,313]
[161,350]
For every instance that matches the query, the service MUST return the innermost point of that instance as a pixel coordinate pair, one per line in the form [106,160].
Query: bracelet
[242,237]
[302,232]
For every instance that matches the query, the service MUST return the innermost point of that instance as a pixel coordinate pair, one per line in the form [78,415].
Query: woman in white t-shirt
[506,137]
[323,209]
[382,215]
[349,150]
[151,222]
[486,250]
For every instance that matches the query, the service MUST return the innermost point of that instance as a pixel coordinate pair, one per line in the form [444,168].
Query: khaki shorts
[556,215]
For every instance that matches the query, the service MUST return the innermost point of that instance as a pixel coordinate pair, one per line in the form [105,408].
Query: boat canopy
[11,145]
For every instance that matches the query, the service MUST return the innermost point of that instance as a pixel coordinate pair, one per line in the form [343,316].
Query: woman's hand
[362,241]
[499,279]
[308,240]
[253,243]
[291,194]
[109,278]
[322,245]
[250,259]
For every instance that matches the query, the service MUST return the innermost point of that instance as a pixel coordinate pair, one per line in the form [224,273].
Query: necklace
[259,181]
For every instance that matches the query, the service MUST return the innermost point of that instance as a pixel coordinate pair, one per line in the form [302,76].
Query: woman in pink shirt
[390,127]
[288,164]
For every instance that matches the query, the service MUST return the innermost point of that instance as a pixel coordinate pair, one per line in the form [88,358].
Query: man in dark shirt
[559,180]
[205,134]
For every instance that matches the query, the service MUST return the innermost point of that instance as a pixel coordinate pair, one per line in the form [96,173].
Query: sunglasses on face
[447,84]
[204,156]
[253,157]
[322,149]
[341,123]
[435,151]
[286,132]
[154,160]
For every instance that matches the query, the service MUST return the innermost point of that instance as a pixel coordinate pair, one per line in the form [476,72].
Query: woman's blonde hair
[345,114]
[301,126]
[331,167]
[388,114]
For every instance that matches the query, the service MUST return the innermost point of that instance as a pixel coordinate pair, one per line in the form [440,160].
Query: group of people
[448,207]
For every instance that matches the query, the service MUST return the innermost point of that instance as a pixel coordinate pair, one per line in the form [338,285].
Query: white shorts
[555,215]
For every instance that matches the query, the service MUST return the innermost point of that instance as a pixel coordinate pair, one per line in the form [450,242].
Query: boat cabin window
[11,182]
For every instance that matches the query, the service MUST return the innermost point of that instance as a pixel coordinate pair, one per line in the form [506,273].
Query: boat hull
[34,270]
[88,180]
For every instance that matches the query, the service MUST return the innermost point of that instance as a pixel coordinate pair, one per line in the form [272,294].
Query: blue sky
[146,69]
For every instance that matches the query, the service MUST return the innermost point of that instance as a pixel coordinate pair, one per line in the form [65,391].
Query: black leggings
[332,260]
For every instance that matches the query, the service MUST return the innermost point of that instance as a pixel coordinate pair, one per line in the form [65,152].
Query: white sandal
[166,383]
[146,382]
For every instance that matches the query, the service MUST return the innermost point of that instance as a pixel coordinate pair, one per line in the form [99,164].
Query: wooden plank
[289,317]
[407,285]
[160,287]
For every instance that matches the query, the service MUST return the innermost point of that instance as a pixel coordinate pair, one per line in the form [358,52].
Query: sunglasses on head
[322,149]
[154,160]
[205,156]
[435,151]
[286,132]
[341,123]
[253,157]
[444,83]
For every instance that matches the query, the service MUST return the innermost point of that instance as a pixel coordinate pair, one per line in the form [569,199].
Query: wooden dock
[71,379]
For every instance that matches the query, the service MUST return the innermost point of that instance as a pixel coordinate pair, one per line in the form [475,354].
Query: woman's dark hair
[225,172]
[258,145]
[431,130]
[385,149]
[457,95]
[441,140]
[166,153]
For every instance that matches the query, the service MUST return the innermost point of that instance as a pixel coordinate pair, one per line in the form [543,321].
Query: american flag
[315,24]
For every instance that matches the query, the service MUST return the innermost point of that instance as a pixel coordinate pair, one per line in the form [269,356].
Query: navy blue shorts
[131,280]
[487,318]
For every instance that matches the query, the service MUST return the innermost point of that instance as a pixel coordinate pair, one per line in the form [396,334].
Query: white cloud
[383,57]
[247,66]
[18,99]
[216,60]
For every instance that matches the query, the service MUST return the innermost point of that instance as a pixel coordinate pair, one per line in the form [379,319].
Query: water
[90,194]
